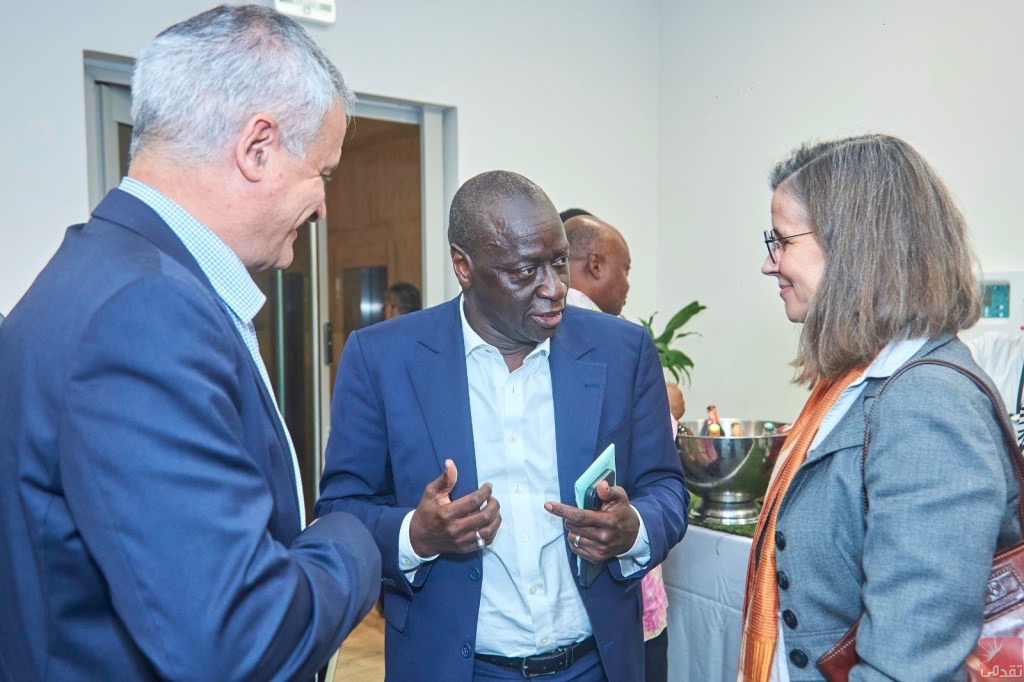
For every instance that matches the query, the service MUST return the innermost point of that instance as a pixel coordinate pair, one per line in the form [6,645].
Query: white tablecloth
[704,580]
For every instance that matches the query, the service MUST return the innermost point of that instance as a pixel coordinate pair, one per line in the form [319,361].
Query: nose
[320,213]
[552,287]
[769,267]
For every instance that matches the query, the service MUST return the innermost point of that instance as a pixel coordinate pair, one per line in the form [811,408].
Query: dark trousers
[656,658]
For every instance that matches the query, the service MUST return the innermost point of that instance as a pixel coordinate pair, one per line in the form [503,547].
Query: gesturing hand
[602,534]
[442,525]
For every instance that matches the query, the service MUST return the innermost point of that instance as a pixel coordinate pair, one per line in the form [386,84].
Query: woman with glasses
[872,257]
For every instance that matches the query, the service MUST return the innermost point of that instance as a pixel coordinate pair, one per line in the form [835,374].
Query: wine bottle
[712,419]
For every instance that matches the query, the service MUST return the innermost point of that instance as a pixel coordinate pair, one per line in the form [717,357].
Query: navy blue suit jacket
[148,518]
[401,407]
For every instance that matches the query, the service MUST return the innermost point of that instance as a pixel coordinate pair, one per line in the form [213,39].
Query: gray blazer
[942,498]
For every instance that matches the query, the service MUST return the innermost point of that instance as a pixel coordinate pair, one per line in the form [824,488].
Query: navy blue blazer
[401,407]
[148,515]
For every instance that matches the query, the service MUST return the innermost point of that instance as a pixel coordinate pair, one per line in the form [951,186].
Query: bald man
[598,263]
[444,442]
[599,277]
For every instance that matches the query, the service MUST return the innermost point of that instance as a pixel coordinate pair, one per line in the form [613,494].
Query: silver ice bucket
[729,473]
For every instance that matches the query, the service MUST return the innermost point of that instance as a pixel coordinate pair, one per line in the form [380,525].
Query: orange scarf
[761,600]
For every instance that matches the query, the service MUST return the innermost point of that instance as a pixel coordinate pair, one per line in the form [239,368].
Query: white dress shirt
[529,602]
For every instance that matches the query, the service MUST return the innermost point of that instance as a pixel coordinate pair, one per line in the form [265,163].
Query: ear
[463,267]
[259,138]
[595,265]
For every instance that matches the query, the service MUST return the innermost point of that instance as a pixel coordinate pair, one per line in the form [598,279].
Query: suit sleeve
[357,475]
[175,512]
[654,480]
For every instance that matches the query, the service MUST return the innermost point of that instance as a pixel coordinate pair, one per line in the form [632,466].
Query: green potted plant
[674,360]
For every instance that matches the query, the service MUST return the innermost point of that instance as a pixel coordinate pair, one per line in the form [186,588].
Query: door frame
[438,183]
[108,80]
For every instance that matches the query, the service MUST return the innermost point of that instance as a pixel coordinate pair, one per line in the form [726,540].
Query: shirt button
[533,589]
[467,650]
[524,537]
[789,618]
[512,437]
[544,640]
[780,540]
[783,580]
[798,658]
[407,562]
[474,574]
[519,488]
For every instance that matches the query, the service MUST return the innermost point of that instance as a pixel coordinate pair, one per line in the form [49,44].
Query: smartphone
[590,498]
[589,570]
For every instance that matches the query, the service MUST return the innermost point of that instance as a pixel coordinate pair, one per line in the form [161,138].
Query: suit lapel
[578,389]
[438,375]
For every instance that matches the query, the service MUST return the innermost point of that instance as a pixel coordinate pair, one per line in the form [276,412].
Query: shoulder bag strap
[1008,435]
[1020,392]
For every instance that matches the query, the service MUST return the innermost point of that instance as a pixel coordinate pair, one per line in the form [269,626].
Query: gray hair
[471,218]
[898,262]
[197,83]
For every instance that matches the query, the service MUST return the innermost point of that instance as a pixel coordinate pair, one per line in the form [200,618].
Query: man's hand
[441,525]
[603,534]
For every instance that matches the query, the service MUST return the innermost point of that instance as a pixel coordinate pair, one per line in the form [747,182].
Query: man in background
[599,266]
[151,510]
[444,442]
[401,298]
[599,262]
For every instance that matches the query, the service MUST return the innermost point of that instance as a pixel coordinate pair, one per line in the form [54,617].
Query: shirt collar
[890,359]
[580,300]
[226,272]
[473,341]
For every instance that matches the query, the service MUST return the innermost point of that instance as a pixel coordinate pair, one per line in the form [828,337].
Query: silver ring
[577,541]
[480,544]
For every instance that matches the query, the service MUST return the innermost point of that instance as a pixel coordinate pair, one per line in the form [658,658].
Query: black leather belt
[548,663]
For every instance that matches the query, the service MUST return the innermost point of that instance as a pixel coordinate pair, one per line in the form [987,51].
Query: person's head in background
[239,117]
[401,298]
[599,260]
[868,247]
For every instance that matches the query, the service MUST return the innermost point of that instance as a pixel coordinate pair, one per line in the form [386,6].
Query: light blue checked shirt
[238,293]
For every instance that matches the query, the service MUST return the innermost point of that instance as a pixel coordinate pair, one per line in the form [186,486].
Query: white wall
[664,117]
[743,83]
[564,92]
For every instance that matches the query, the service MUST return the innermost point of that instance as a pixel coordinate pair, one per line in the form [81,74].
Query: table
[705,576]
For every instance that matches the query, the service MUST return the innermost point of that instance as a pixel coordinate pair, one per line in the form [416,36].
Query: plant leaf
[683,316]
[675,361]
[678,358]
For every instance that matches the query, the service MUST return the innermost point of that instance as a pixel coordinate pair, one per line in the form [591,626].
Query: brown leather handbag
[1004,595]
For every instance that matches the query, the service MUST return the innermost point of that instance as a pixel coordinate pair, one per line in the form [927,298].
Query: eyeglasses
[774,243]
